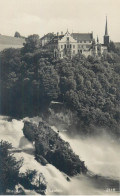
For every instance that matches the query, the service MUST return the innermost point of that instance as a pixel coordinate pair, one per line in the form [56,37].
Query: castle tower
[106,36]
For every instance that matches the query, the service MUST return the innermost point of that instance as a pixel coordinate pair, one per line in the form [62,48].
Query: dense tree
[32,43]
[9,168]
[33,181]
[49,83]
[31,78]
[17,34]
[112,47]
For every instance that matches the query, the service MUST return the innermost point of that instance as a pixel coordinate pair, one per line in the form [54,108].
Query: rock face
[30,130]
[52,149]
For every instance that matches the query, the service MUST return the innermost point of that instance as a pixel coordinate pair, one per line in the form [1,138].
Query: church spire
[106,36]
[97,39]
[106,28]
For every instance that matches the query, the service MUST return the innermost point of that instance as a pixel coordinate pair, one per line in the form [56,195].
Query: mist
[99,153]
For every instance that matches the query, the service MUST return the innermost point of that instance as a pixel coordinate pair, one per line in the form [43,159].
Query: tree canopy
[17,34]
[31,78]
[32,43]
[9,168]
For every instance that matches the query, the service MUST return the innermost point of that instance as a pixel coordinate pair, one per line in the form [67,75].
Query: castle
[63,45]
[68,45]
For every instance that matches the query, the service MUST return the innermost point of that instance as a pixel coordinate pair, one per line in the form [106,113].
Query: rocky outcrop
[49,147]
[30,130]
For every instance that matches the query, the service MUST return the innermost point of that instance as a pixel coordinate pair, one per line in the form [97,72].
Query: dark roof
[82,36]
[56,38]
[8,40]
[49,35]
[76,36]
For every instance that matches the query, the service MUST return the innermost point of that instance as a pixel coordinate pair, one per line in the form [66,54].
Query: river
[101,156]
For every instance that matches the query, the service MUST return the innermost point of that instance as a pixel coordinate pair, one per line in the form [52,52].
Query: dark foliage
[51,147]
[112,48]
[31,78]
[29,180]
[17,34]
[9,168]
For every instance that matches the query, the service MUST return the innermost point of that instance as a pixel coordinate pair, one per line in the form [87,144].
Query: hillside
[88,87]
[10,42]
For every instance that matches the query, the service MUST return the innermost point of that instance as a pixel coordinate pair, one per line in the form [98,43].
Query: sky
[42,16]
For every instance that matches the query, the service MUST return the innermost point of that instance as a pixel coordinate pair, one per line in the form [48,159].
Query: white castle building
[68,45]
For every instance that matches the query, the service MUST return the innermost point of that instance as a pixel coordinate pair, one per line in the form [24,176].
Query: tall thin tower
[106,36]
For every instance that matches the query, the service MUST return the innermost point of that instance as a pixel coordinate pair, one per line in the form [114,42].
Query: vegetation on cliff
[49,147]
[31,78]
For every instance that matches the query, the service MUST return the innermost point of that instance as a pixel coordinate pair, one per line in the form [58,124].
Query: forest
[31,78]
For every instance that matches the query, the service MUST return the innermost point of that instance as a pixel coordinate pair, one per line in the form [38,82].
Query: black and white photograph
[60,97]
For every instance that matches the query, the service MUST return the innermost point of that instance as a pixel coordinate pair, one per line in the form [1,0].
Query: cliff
[50,148]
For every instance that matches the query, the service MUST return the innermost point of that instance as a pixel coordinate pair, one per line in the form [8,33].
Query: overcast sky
[43,16]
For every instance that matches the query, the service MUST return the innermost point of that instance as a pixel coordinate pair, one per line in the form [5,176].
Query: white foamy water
[89,151]
[101,154]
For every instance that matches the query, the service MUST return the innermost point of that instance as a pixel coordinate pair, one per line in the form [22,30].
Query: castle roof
[55,39]
[48,35]
[76,36]
[82,36]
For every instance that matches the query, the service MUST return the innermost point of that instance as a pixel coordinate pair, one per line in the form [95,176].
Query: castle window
[84,41]
[87,46]
[61,46]
[65,45]
[67,38]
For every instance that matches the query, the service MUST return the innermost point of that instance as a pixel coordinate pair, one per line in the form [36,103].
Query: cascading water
[99,153]
[100,157]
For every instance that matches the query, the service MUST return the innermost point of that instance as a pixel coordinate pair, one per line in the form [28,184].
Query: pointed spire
[106,28]
[97,39]
[67,32]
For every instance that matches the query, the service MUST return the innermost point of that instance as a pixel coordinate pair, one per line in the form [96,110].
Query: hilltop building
[63,45]
[68,45]
[46,38]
